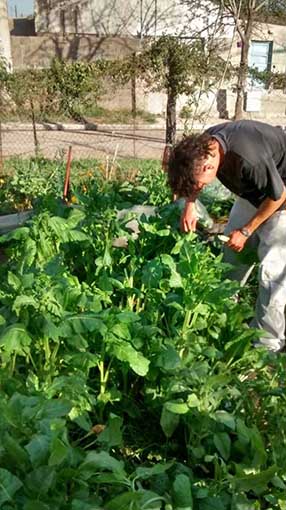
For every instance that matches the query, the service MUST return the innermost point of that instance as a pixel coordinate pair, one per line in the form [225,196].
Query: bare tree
[245,15]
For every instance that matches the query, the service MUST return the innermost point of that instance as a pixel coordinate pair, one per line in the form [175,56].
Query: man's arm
[265,210]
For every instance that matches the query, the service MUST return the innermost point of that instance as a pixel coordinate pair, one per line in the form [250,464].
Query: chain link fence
[51,141]
[90,140]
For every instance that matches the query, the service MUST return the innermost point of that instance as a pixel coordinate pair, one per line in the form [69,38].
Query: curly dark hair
[185,158]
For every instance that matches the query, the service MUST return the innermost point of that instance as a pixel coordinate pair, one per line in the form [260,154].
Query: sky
[20,7]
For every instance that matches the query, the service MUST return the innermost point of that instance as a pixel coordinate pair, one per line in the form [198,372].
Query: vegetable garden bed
[128,377]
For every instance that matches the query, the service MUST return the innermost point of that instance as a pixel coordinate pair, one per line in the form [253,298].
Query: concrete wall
[109,17]
[40,50]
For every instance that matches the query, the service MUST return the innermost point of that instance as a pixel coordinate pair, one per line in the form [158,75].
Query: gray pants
[270,242]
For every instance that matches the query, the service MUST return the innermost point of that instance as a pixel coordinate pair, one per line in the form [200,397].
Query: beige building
[5,41]
[90,29]
[128,18]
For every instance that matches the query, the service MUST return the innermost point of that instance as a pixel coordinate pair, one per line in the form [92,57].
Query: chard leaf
[30,252]
[75,216]
[38,449]
[223,443]
[128,317]
[193,400]
[59,452]
[125,352]
[182,493]
[112,434]
[123,501]
[76,236]
[9,485]
[102,461]
[15,339]
[152,273]
[177,407]
[82,323]
[55,409]
[226,418]
[17,234]
[41,480]
[146,472]
[175,280]
[169,359]
[15,452]
[256,482]
[168,261]
[23,301]
[121,330]
[13,281]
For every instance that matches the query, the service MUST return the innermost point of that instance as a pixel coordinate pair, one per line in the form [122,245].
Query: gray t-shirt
[254,165]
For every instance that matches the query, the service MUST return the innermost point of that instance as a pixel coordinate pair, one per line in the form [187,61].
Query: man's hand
[188,218]
[236,240]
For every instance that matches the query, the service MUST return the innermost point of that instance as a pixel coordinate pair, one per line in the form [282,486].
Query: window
[260,57]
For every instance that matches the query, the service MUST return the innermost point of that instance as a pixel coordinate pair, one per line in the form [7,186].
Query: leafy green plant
[128,375]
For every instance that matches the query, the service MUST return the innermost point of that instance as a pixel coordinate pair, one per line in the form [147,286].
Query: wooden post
[67,176]
[36,142]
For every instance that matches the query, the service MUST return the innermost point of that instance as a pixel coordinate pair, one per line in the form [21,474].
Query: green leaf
[36,505]
[256,482]
[214,503]
[125,352]
[123,501]
[193,400]
[226,418]
[152,273]
[17,234]
[13,280]
[168,359]
[59,452]
[79,504]
[112,434]
[102,461]
[240,502]
[16,453]
[176,407]
[16,339]
[81,323]
[223,443]
[121,330]
[169,422]
[24,301]
[9,485]
[175,280]
[38,449]
[168,261]
[75,217]
[146,472]
[30,252]
[150,500]
[55,409]
[128,317]
[182,493]
[41,480]
[243,432]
